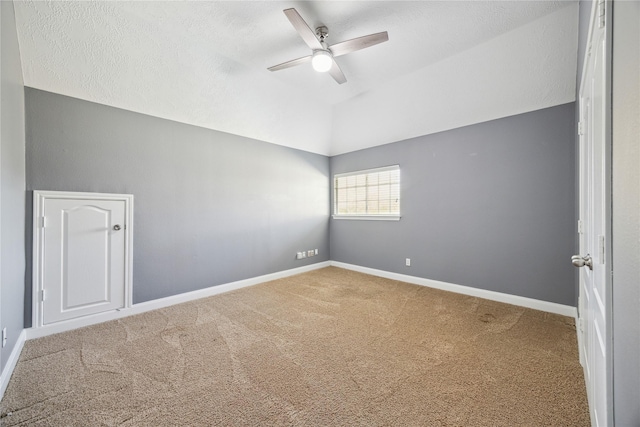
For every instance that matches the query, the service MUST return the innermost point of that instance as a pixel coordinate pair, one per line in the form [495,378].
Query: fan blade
[290,64]
[352,45]
[337,73]
[303,29]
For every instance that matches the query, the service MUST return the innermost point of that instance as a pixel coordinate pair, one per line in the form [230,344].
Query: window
[367,194]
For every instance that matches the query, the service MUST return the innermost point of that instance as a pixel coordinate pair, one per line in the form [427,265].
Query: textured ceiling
[447,64]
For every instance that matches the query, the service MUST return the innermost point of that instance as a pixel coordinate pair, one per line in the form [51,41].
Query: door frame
[39,199]
[599,7]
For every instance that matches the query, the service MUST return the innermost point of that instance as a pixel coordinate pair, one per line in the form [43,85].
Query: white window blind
[370,193]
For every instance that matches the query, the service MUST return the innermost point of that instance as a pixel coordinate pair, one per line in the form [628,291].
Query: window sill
[369,217]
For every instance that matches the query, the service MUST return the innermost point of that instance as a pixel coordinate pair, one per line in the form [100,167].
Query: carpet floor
[331,347]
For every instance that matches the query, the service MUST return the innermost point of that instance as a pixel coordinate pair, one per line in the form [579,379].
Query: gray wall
[210,207]
[626,212]
[12,190]
[489,206]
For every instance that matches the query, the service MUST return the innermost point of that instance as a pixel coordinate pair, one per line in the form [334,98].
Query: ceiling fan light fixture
[322,55]
[322,61]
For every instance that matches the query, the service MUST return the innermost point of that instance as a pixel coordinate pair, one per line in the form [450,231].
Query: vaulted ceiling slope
[447,64]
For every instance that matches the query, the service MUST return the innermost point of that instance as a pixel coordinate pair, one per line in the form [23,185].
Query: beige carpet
[327,348]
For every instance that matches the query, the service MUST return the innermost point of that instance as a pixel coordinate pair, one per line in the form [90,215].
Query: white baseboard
[12,362]
[165,302]
[551,307]
[68,325]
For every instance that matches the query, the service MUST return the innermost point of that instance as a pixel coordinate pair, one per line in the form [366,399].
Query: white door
[592,260]
[84,256]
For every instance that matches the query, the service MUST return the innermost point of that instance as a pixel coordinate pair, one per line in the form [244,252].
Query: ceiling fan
[323,56]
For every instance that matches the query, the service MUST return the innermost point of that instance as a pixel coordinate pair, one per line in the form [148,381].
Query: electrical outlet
[4,336]
[300,255]
[311,253]
[408,262]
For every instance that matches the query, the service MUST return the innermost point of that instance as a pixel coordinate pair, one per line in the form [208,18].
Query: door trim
[39,198]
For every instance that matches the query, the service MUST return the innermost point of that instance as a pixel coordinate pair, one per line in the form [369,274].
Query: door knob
[581,261]
[116,227]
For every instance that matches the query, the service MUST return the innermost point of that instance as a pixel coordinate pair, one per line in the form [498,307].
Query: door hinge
[580,128]
[580,227]
[602,10]
[42,295]
[43,221]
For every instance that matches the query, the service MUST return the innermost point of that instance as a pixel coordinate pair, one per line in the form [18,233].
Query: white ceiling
[447,64]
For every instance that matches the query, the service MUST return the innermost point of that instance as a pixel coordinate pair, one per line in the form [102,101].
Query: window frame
[365,216]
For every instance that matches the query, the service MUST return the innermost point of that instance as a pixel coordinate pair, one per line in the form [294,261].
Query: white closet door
[84,257]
